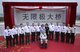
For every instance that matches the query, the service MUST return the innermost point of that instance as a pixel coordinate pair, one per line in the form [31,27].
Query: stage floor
[53,46]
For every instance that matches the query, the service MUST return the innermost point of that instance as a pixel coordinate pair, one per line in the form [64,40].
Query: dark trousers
[37,36]
[57,36]
[33,36]
[67,37]
[47,34]
[51,33]
[62,36]
[21,39]
[8,40]
[27,38]
[72,38]
[15,39]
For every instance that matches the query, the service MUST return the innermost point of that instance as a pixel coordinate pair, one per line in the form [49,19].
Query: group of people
[44,32]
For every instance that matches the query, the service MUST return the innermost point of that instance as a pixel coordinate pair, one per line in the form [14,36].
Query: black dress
[47,32]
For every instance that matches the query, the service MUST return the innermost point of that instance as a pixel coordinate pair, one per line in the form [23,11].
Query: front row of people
[41,33]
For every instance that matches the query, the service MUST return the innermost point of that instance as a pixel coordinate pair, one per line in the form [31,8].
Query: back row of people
[11,35]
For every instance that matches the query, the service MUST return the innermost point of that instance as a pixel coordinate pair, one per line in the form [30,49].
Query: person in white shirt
[27,33]
[22,33]
[15,35]
[37,31]
[57,32]
[68,31]
[8,36]
[51,31]
[73,34]
[63,33]
[43,39]
[32,28]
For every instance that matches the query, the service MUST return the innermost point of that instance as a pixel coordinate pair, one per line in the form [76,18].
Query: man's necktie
[8,33]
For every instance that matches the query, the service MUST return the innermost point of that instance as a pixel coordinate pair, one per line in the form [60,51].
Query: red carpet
[34,47]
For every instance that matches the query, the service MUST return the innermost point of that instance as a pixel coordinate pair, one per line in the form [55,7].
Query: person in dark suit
[47,31]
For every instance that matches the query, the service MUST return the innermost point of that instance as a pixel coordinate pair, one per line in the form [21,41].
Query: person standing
[63,32]
[47,31]
[27,33]
[15,35]
[8,36]
[57,32]
[73,34]
[21,34]
[37,31]
[42,28]
[68,29]
[33,32]
[51,31]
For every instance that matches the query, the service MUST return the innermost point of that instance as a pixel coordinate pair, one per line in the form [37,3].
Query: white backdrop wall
[39,16]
